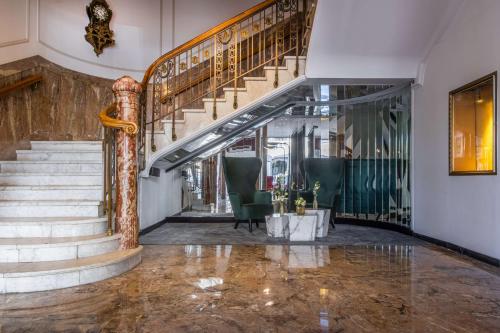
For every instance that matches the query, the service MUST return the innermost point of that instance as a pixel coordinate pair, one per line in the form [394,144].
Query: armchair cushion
[235,200]
[256,211]
[307,195]
[261,197]
[241,175]
[330,173]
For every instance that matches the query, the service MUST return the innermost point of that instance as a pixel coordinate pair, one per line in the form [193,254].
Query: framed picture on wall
[472,128]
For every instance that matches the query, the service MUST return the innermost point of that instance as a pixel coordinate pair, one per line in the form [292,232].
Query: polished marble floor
[274,288]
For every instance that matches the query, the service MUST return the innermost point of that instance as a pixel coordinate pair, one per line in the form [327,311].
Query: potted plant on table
[316,188]
[300,206]
[280,194]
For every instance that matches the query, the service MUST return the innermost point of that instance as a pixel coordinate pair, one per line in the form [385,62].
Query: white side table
[277,226]
[323,221]
[302,227]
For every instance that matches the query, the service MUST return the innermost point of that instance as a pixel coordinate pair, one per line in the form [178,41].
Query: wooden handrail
[107,121]
[32,79]
[188,45]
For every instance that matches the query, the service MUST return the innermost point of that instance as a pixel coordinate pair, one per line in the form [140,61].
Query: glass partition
[370,130]
[368,126]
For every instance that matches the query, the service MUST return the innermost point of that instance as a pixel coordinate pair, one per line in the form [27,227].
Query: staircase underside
[258,101]
[294,99]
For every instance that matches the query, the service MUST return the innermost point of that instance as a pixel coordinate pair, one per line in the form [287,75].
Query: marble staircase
[52,228]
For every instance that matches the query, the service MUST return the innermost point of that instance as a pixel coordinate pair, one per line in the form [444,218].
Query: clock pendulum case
[98,33]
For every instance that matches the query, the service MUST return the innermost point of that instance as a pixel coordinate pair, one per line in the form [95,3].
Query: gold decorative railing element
[107,121]
[220,58]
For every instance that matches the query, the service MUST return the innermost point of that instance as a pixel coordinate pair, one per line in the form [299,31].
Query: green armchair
[248,204]
[330,173]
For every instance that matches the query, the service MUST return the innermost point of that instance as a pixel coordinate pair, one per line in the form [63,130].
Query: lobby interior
[249,166]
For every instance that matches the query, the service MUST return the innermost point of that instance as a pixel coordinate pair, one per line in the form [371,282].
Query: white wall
[159,197]
[462,210]
[144,30]
[374,39]
[136,26]
[17,30]
[193,17]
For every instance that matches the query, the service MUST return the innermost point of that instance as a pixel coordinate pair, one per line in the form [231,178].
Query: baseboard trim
[199,219]
[186,219]
[152,227]
[459,249]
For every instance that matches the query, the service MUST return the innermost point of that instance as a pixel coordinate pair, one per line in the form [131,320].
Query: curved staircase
[52,232]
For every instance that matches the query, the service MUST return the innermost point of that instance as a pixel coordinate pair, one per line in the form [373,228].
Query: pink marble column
[127,92]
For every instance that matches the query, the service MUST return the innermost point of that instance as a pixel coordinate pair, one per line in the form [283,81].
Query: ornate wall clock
[98,33]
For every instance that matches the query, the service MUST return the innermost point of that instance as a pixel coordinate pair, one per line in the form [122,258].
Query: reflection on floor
[224,233]
[274,288]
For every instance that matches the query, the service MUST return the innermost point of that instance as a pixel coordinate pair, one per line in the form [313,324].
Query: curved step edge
[50,249]
[70,273]
[51,227]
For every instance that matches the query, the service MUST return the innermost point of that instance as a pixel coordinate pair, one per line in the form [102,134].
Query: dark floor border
[462,250]
[186,219]
[374,224]
[199,219]
[152,227]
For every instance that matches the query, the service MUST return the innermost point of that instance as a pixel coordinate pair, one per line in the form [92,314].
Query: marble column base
[129,228]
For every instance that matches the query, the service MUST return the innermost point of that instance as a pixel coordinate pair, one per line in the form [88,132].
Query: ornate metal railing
[221,57]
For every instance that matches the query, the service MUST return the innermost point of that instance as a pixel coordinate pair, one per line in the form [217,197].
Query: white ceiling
[375,38]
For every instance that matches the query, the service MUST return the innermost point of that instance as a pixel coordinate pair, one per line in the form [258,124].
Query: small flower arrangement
[300,206]
[300,202]
[316,188]
[280,192]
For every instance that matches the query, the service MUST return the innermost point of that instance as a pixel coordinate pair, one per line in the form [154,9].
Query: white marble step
[52,192]
[231,89]
[51,166]
[211,100]
[58,248]
[193,110]
[177,121]
[18,227]
[67,145]
[271,68]
[50,208]
[18,179]
[53,155]
[254,78]
[40,276]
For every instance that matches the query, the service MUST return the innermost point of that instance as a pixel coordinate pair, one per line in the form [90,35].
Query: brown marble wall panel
[64,106]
